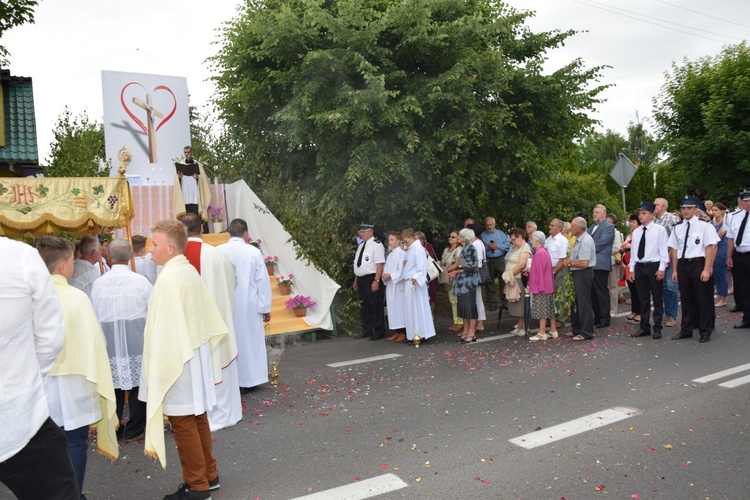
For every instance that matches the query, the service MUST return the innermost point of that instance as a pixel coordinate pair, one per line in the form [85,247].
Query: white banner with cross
[149,115]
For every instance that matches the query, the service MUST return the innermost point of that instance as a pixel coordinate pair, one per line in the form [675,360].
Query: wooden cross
[150,113]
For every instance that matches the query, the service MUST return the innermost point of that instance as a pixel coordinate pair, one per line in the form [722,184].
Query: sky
[70,43]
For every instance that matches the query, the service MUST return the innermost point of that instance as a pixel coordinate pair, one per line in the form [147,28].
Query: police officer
[368,267]
[692,248]
[738,257]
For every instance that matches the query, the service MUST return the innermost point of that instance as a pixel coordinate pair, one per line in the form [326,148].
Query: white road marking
[722,374]
[736,382]
[363,360]
[495,337]
[573,427]
[360,490]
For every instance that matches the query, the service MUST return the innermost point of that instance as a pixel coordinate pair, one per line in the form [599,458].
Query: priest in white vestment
[394,287]
[182,328]
[252,305]
[120,299]
[219,276]
[417,313]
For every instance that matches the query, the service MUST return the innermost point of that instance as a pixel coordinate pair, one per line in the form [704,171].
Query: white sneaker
[521,333]
[514,330]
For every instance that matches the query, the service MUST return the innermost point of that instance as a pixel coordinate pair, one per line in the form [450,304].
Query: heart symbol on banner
[156,89]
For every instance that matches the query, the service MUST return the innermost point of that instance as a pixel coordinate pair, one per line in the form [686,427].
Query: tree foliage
[14,13]
[703,117]
[78,148]
[405,113]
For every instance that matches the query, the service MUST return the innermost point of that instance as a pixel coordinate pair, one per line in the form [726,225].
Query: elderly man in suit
[603,234]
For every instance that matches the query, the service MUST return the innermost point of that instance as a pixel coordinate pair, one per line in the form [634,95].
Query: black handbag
[485,278]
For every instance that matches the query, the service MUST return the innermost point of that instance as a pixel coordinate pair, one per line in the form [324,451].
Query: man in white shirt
[692,249]
[34,461]
[144,264]
[120,298]
[368,267]
[648,262]
[558,247]
[89,266]
[738,257]
[252,305]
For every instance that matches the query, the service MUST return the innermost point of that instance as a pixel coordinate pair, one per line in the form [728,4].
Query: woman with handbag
[515,263]
[450,263]
[481,258]
[417,314]
[465,285]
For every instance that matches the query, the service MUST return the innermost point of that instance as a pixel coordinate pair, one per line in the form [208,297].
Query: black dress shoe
[681,336]
[362,336]
[377,338]
[743,324]
[640,333]
[703,340]
[656,335]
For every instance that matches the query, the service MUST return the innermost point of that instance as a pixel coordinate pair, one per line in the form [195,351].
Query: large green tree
[14,13]
[703,117]
[78,148]
[415,112]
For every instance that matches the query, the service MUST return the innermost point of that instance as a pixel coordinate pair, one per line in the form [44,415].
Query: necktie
[687,234]
[742,230]
[642,245]
[361,251]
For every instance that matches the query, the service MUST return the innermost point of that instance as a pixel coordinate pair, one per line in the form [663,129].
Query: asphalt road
[436,422]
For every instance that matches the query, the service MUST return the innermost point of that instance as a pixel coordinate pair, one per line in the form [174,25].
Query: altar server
[394,287]
[182,327]
[218,274]
[252,299]
[417,314]
[79,387]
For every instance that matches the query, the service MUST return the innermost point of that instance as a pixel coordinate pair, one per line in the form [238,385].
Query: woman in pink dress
[542,288]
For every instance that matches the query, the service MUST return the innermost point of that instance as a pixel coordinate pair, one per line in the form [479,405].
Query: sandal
[579,338]
[630,317]
[570,334]
[538,336]
[552,335]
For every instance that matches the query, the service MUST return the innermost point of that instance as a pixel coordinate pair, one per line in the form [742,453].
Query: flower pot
[218,227]
[285,289]
[302,311]
[270,268]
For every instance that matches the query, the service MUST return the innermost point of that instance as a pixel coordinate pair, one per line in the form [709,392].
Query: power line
[649,22]
[661,20]
[703,14]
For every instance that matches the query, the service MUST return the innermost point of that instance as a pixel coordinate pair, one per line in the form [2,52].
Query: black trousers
[42,469]
[648,287]
[497,268]
[600,296]
[582,319]
[741,278]
[373,315]
[136,424]
[697,298]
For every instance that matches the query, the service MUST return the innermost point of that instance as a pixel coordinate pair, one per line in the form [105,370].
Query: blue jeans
[78,444]
[671,294]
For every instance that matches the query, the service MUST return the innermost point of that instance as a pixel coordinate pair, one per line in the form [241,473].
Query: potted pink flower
[217,218]
[256,243]
[285,284]
[300,303]
[270,262]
